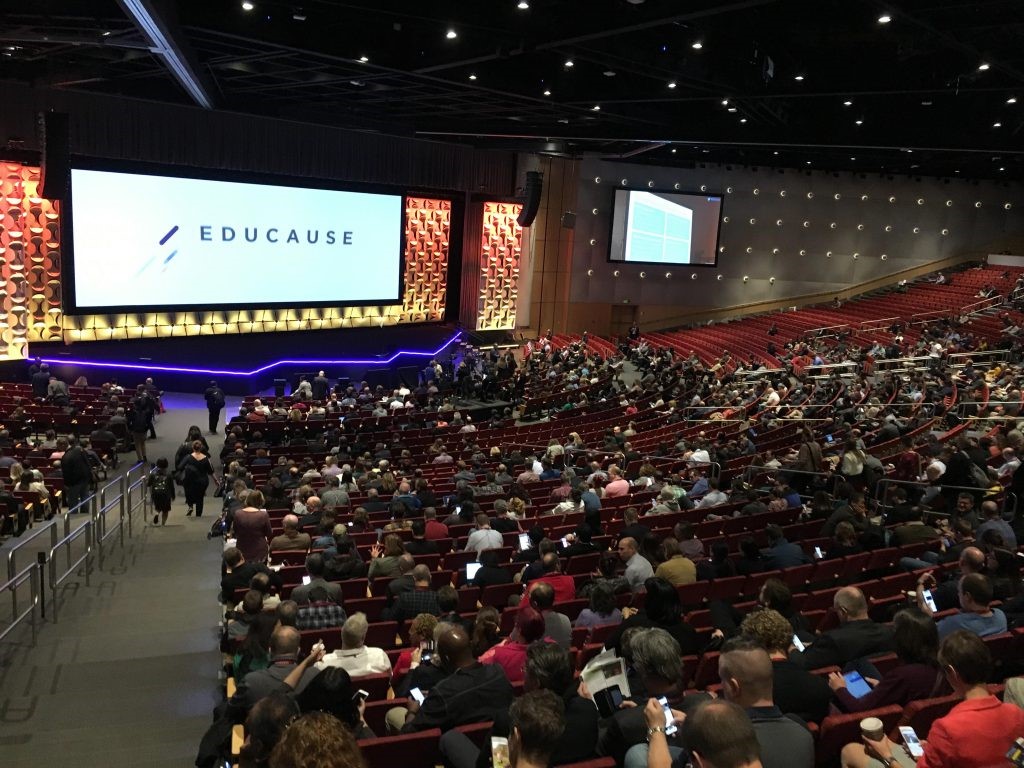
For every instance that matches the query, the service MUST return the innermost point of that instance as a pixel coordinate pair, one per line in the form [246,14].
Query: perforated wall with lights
[501,250]
[812,233]
[30,304]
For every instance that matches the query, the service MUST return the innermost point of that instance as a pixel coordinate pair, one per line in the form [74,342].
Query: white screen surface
[665,228]
[162,241]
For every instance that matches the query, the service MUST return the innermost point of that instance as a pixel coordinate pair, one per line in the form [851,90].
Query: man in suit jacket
[321,386]
[782,554]
[315,569]
[856,637]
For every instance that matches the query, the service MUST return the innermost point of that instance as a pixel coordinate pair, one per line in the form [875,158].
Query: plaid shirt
[320,616]
[410,604]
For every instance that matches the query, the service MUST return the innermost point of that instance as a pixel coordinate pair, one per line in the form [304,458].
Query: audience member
[354,656]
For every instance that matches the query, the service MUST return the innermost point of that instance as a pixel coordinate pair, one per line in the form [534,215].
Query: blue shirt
[982,626]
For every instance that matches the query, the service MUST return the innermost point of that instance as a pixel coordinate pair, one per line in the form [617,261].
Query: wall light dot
[753,220]
[807,224]
[590,273]
[624,182]
[883,257]
[917,230]
[676,185]
[892,199]
[803,252]
[721,249]
[860,227]
[778,222]
[703,187]
[810,195]
[920,201]
[837,196]
[1007,206]
[643,275]
[977,204]
[725,219]
[693,276]
[856,256]
[945,232]
[775,251]
[728,190]
[757,191]
[597,179]
[594,211]
[782,193]
[746,278]
[828,254]
[771,280]
[616,273]
[650,183]
[949,203]
[832,225]
[593,241]
[718,277]
[668,275]
[863,198]
[750,249]
[888,227]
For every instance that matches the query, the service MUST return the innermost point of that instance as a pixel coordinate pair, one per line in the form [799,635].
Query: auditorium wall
[815,233]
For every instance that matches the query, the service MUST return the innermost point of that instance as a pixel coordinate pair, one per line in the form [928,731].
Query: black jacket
[839,646]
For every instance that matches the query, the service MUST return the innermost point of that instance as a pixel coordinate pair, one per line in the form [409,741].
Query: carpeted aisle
[128,676]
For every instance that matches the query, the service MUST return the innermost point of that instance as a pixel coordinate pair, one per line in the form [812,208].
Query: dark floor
[128,676]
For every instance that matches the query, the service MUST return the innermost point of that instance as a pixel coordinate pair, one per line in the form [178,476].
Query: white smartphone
[305,579]
[361,694]
[929,600]
[565,542]
[417,694]
[798,644]
[499,752]
[818,553]
[670,721]
[911,741]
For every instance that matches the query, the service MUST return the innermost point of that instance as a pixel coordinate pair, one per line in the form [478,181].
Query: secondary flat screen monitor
[174,242]
[665,228]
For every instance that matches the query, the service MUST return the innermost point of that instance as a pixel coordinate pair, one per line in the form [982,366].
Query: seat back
[839,730]
[920,714]
[409,750]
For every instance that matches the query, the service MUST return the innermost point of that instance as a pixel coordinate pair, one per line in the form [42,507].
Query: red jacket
[975,734]
[564,586]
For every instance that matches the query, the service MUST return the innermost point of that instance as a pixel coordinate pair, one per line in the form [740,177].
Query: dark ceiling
[934,89]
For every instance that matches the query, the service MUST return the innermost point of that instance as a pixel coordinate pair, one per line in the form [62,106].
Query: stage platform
[247,363]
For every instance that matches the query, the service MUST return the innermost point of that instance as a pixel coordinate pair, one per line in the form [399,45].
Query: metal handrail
[51,526]
[29,572]
[86,529]
[886,481]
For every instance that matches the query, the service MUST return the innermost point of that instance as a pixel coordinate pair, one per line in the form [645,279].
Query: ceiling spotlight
[363,59]
[1012,100]
[106,33]
[472,77]
[1002,169]
[725,102]
[523,5]
[847,103]
[983,67]
[997,125]
[547,92]
[884,18]
[596,108]
[799,78]
[247,6]
[451,34]
[299,15]
[568,62]
[732,109]
[672,84]
[743,119]
[673,150]
[859,122]
[609,73]
[853,158]
[697,45]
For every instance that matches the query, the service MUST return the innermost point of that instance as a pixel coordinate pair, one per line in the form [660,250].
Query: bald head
[290,522]
[313,504]
[285,642]
[850,604]
[454,647]
[972,560]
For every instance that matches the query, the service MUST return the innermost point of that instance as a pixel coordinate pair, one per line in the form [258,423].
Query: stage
[243,364]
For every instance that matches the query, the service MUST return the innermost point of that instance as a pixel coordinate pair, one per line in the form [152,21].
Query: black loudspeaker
[55,175]
[569,220]
[531,198]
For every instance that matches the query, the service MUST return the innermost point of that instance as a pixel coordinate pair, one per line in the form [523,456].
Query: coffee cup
[872,728]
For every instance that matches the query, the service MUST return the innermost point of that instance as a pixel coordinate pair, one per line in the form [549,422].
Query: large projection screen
[153,241]
[652,227]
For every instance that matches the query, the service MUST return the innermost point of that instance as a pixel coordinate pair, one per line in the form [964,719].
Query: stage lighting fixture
[247,6]
[859,122]
[799,78]
[743,119]
[472,77]
[672,84]
[451,34]
[725,102]
[568,63]
[697,45]
[523,5]
[983,67]
[997,125]
[884,18]
[596,108]
[547,92]
[363,59]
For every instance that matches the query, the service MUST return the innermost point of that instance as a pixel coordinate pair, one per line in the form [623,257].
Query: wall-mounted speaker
[569,220]
[531,198]
[55,175]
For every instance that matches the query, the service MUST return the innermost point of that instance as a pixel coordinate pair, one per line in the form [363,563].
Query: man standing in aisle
[214,404]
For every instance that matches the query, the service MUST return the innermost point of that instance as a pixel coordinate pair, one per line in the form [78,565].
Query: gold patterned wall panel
[29,263]
[30,297]
[502,249]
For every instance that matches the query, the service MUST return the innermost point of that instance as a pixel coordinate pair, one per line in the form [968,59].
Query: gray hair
[656,654]
[353,631]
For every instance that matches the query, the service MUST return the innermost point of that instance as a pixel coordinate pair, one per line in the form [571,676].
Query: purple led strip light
[211,371]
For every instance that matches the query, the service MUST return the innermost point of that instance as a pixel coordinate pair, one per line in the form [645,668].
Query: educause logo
[163,241]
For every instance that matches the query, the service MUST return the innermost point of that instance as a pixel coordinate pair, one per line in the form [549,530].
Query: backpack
[159,484]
